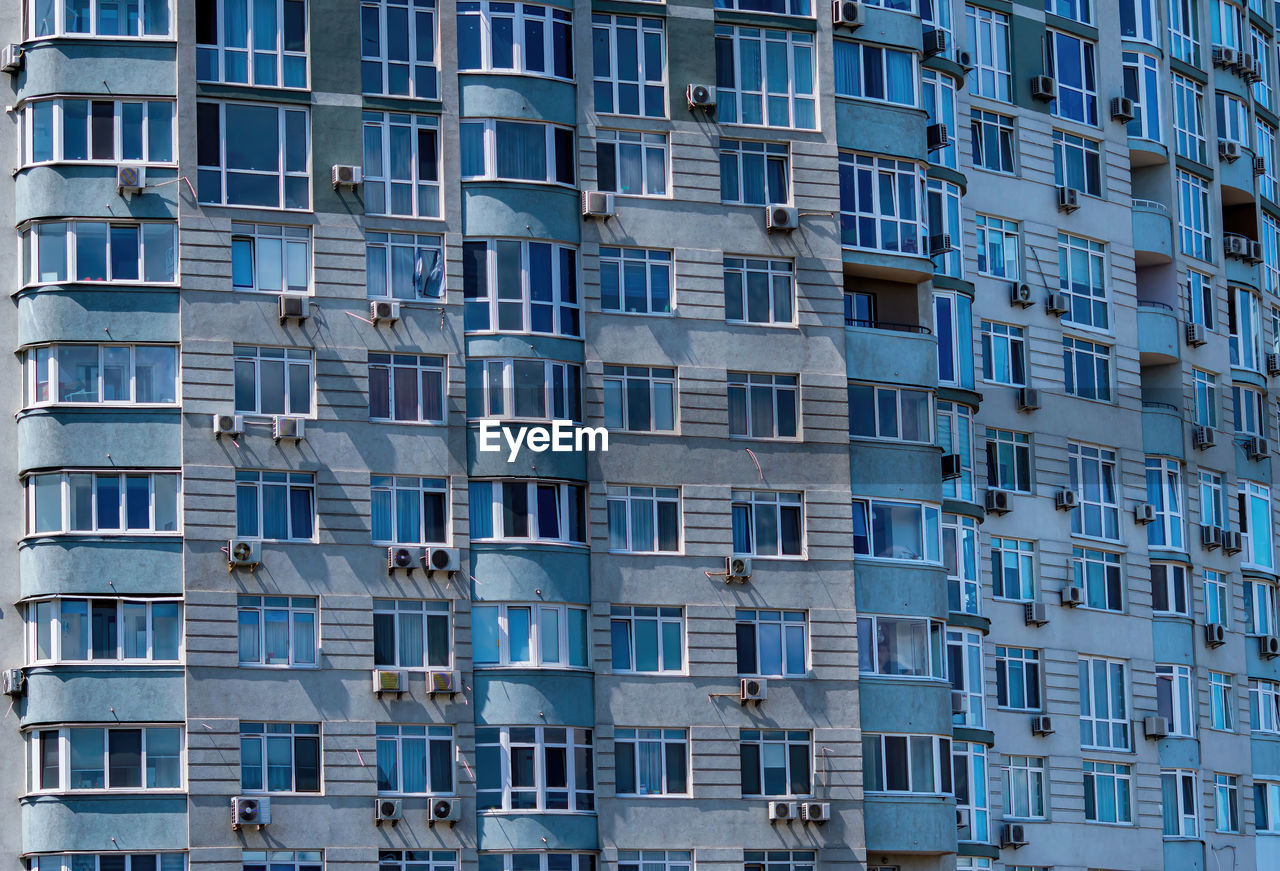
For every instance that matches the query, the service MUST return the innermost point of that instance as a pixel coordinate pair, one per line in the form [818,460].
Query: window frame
[421,365]
[753,641]
[64,758]
[649,500]
[295,610]
[613,29]
[383,185]
[931,542]
[289,359]
[1115,719]
[292,481]
[564,615]
[629,743]
[656,384]
[55,628]
[734,44]
[745,504]
[791,741]
[297,199]
[66,519]
[414,65]
[658,274]
[578,751]
[299,735]
[394,736]
[664,617]
[398,614]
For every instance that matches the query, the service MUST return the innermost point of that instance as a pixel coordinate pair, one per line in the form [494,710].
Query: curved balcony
[93,565]
[75,66]
[112,691]
[907,589]
[905,268]
[1152,233]
[1237,180]
[888,353]
[55,313]
[89,191]
[1159,333]
[99,437]
[1162,430]
[1146,152]
[905,705]
[526,572]
[894,470]
[104,823]
[910,824]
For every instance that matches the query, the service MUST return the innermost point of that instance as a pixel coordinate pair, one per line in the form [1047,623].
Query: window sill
[54,39]
[106,663]
[486,179]
[439,423]
[772,556]
[777,325]
[270,667]
[98,406]
[249,208]
[579,545]
[527,666]
[109,535]
[132,792]
[649,314]
[502,812]
[862,557]
[269,794]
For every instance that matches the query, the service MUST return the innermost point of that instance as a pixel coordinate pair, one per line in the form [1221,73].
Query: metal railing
[1150,206]
[888,325]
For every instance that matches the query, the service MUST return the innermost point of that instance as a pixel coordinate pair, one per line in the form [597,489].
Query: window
[253,155]
[646,639]
[100,252]
[1178,797]
[1009,460]
[1193,216]
[890,413]
[754,173]
[630,65]
[782,7]
[543,768]
[113,861]
[771,643]
[1093,479]
[635,281]
[1217,604]
[644,519]
[969,764]
[406,388]
[871,72]
[765,77]
[103,18]
[1076,10]
[1169,593]
[273,380]
[1264,706]
[952,318]
[1003,353]
[1244,326]
[78,758]
[415,860]
[1175,694]
[275,506]
[103,503]
[398,48]
[1184,31]
[640,398]
[758,291]
[1233,119]
[101,374]
[997,247]
[1104,717]
[1269,235]
[651,761]
[906,763]
[1013,569]
[296,860]
[1077,163]
[1266,807]
[403,266]
[942,203]
[1098,574]
[415,760]
[401,172]
[991,140]
[411,633]
[859,309]
[1225,24]
[528,511]
[939,93]
[1201,298]
[538,861]
[1142,85]
[1260,604]
[277,32]
[1138,21]
[517,151]
[988,36]
[1164,493]
[522,38]
[527,389]
[1260,47]
[1226,800]
[964,667]
[661,860]
[763,406]
[514,286]
[896,530]
[775,763]
[1255,524]
[1265,147]
[279,757]
[1018,678]
[1108,792]
[269,258]
[955,436]
[960,558]
[409,510]
[1071,63]
[1024,787]
[532,636]
[1221,702]
[1188,117]
[880,204]
[95,630]
[631,163]
[1082,278]
[1087,367]
[277,630]
[767,524]
[1205,394]
[67,129]
[900,646]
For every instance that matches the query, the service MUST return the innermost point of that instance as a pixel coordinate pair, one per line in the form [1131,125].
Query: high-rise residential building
[934,342]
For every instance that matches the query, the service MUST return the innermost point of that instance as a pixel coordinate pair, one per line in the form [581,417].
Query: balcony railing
[888,325]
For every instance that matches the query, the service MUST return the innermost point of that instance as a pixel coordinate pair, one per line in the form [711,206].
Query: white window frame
[66,262]
[635,742]
[1264,706]
[777,275]
[398,262]
[50,385]
[660,385]
[45,617]
[568,497]
[210,174]
[1186,817]
[551,20]
[381,181]
[998,245]
[555,386]
[1083,57]
[1143,84]
[988,35]
[290,481]
[733,101]
[786,741]
[927,519]
[1217,598]
[392,489]
[1165,494]
[52,114]
[1118,731]
[1188,117]
[557,146]
[1260,601]
[1027,666]
[879,397]
[1114,778]
[1088,295]
[1222,702]
[745,391]
[1226,801]
[538,614]
[1171,589]
[396,736]
[628,502]
[767,157]
[934,782]
[56,24]
[901,646]
[1256,525]
[752,503]
[891,175]
[1016,556]
[386,365]
[33,495]
[1195,232]
[562,303]
[417,14]
[425,618]
[295,611]
[287,269]
[1025,784]
[1089,569]
[1204,392]
[859,56]
[290,359]
[647,83]
[653,266]
[63,752]
[983,127]
[1176,698]
[1244,337]
[252,51]
[634,151]
[1184,31]
[1009,450]
[780,630]
[663,619]
[1094,473]
[577,748]
[269,730]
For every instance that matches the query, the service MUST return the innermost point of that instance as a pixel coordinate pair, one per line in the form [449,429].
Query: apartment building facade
[935,527]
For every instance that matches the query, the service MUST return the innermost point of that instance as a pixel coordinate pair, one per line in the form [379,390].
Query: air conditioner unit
[386,680]
[1196,335]
[701,96]
[783,811]
[1269,646]
[963,819]
[1215,634]
[959,704]
[442,559]
[815,811]
[294,307]
[1232,541]
[1044,88]
[1155,727]
[939,244]
[597,204]
[1028,399]
[228,425]
[345,176]
[1259,166]
[937,137]
[444,810]
[131,178]
[286,428]
[1235,245]
[1122,109]
[951,467]
[1020,294]
[1254,252]
[1229,150]
[845,13]
[1013,835]
[1035,614]
[243,553]
[1068,199]
[1057,304]
[965,60]
[403,558]
[753,689]
[1257,448]
[1072,596]
[1225,56]
[1273,364]
[1246,64]
[1042,725]
[1202,437]
[934,42]
[388,810]
[250,810]
[996,502]
[1065,500]
[443,683]
[1211,537]
[736,568]
[781,218]
[1144,512]
[384,311]
[13,682]
[11,57]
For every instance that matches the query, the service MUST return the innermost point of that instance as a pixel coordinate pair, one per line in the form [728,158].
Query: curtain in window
[414,752]
[648,767]
[135,630]
[279,763]
[410,640]
[276,626]
[642,525]
[521,150]
[304,638]
[248,634]
[300,511]
[481,509]
[741,528]
[388,767]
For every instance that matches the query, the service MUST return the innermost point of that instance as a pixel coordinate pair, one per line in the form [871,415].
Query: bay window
[66,629]
[100,252]
[70,129]
[520,286]
[498,150]
[100,375]
[529,636]
[522,38]
[906,763]
[881,204]
[103,503]
[904,531]
[534,768]
[524,389]
[900,646]
[890,413]
[94,758]
[528,511]
[99,18]
[872,72]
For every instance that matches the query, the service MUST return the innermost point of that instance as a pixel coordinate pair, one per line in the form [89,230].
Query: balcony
[1152,233]
[891,353]
[1159,333]
[1236,177]
[1162,429]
